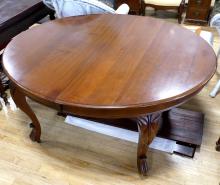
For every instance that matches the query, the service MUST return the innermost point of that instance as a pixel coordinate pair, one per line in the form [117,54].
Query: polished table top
[110,65]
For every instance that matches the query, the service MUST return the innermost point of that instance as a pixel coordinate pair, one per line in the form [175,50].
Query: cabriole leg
[147,127]
[20,100]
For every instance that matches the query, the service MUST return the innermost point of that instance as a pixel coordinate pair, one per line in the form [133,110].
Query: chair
[178,5]
[66,8]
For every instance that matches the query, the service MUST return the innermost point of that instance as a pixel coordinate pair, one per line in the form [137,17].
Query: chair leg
[215,90]
[218,53]
[52,15]
[3,94]
[180,11]
[143,7]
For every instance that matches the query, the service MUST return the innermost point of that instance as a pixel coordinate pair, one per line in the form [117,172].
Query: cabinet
[198,11]
[135,5]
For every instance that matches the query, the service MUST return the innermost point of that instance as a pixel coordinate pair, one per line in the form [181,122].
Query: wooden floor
[73,156]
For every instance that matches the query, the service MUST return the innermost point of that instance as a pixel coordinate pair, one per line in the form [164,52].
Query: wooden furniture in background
[15,17]
[3,83]
[3,93]
[178,5]
[118,76]
[3,87]
[198,11]
[135,5]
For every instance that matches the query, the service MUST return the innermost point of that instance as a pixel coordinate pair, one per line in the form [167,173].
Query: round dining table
[108,66]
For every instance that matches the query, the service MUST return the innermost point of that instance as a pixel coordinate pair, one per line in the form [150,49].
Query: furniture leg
[218,145]
[215,90]
[143,6]
[2,88]
[3,94]
[20,100]
[147,127]
[180,11]
[52,16]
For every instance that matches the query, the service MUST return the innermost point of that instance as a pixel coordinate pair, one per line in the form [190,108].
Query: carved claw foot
[147,127]
[20,100]
[35,136]
[142,166]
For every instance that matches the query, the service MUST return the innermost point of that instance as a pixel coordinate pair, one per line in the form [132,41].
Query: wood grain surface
[110,65]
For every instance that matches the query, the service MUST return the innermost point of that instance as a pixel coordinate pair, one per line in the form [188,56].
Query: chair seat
[67,8]
[163,2]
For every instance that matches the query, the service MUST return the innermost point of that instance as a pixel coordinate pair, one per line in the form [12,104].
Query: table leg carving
[20,100]
[147,127]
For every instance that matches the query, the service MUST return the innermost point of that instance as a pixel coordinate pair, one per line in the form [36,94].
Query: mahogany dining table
[109,66]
